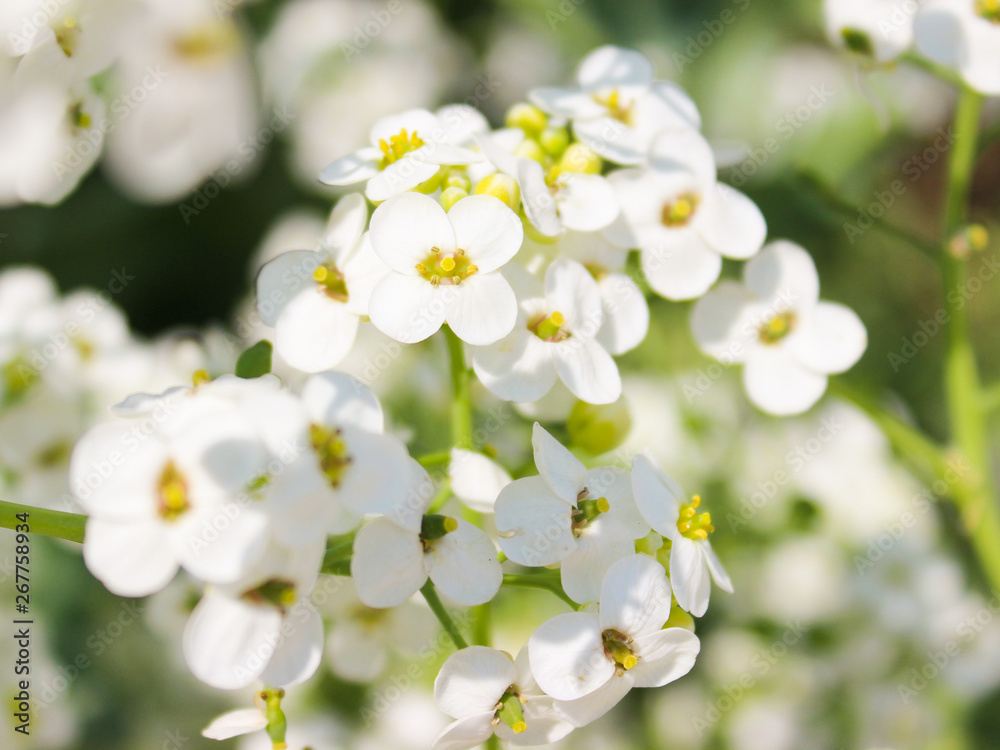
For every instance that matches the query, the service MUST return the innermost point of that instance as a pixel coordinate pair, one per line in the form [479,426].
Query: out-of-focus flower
[965,35]
[881,29]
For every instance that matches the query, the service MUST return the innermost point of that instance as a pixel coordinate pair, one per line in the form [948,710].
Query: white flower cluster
[960,34]
[518,240]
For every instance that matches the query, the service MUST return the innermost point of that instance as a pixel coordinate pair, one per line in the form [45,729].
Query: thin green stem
[434,459]
[942,72]
[54,523]
[339,553]
[461,393]
[538,581]
[443,495]
[434,602]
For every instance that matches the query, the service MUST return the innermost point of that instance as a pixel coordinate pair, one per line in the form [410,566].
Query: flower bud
[599,429]
[452,195]
[554,141]
[500,186]
[528,117]
[580,158]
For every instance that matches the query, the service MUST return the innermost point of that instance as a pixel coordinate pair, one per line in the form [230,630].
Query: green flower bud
[599,429]
[580,158]
[554,140]
[500,186]
[452,195]
[528,117]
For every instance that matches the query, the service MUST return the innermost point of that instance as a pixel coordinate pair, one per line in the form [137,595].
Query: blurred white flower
[475,479]
[882,29]
[965,35]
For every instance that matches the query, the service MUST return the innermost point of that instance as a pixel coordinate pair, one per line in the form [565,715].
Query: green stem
[338,554]
[434,602]
[54,523]
[942,72]
[434,459]
[443,495]
[991,399]
[539,581]
[461,393]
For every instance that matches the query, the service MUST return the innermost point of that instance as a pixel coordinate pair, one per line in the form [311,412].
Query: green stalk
[434,602]
[54,523]
[539,581]
[461,393]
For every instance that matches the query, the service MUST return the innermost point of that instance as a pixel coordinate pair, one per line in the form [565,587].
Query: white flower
[618,108]
[583,519]
[262,627]
[681,218]
[488,693]
[475,479]
[315,299]
[444,268]
[361,639]
[965,35]
[407,149]
[882,29]
[774,323]
[560,197]
[554,337]
[344,467]
[394,556]
[235,723]
[589,661]
[665,507]
[161,492]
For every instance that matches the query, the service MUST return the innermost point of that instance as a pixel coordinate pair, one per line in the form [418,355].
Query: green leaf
[255,361]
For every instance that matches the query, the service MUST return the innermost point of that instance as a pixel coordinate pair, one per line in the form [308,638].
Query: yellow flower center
[78,118]
[587,510]
[550,327]
[398,146]
[172,492]
[777,328]
[618,649]
[679,212]
[331,452]
[694,525]
[446,270]
[54,455]
[17,376]
[275,591]
[616,107]
[331,282]
[989,9]
[208,43]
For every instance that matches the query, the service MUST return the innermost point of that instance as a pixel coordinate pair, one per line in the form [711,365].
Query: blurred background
[859,619]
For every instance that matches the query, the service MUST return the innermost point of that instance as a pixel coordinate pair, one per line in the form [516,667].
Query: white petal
[476,480]
[466,733]
[829,338]
[350,169]
[736,228]
[719,574]
[315,332]
[657,496]
[300,650]
[500,157]
[538,202]
[583,711]
[725,321]
[131,558]
[778,384]
[567,656]
[221,542]
[545,724]
[235,723]
[626,314]
[337,399]
[482,310]
[228,642]
[415,120]
[406,229]
[565,102]
[362,271]
[345,226]
[355,653]
[613,140]
[519,367]
[406,308]
[399,177]
[376,480]
[601,544]
[586,202]
[614,66]
[664,656]
[615,484]
[685,149]
[689,576]
[572,291]
[488,231]
[588,371]
[562,471]
[683,268]
[387,565]
[463,565]
[635,596]
[282,280]
[783,271]
[535,526]
[472,681]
